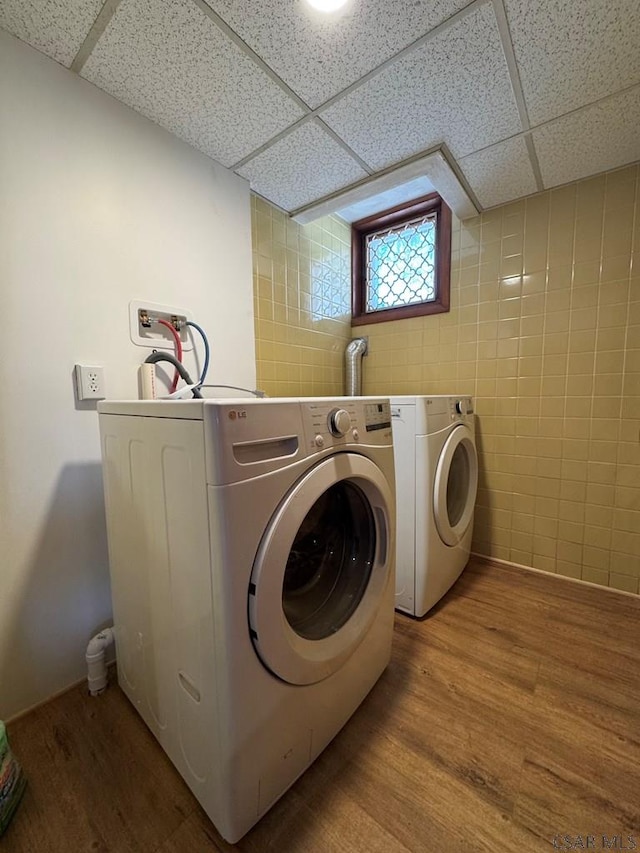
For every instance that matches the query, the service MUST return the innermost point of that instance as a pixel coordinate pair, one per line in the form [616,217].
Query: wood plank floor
[509,716]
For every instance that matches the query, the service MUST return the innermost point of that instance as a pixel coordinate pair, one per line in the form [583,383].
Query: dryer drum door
[455,485]
[321,569]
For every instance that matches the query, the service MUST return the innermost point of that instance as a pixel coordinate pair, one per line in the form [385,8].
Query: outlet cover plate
[89,382]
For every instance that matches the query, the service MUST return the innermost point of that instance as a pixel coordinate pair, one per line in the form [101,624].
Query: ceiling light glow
[326,5]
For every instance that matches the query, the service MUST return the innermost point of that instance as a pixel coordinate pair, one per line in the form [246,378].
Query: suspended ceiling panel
[519,94]
[56,28]
[319,55]
[455,87]
[572,53]
[171,63]
[289,172]
[601,137]
[500,173]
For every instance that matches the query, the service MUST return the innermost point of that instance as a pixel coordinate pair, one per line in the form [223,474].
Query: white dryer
[251,552]
[436,467]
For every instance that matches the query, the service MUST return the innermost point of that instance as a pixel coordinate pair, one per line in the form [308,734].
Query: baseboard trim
[501,562]
[56,695]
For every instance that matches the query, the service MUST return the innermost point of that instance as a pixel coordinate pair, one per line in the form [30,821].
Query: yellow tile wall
[302,300]
[544,332]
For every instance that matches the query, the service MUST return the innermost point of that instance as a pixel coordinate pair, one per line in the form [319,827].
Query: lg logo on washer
[235,414]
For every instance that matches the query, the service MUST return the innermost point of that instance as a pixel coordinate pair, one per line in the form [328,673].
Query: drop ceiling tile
[317,54]
[500,173]
[303,166]
[57,27]
[455,89]
[595,139]
[571,53]
[170,62]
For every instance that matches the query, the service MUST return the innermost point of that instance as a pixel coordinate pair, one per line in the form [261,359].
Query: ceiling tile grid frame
[570,54]
[304,165]
[170,62]
[455,88]
[56,28]
[320,55]
[596,139]
[500,173]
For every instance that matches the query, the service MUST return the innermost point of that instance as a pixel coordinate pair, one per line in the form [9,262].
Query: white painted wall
[98,206]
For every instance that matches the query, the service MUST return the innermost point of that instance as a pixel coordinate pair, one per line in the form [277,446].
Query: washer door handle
[383,534]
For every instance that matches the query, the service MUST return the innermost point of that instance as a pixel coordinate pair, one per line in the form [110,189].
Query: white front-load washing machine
[251,548]
[436,467]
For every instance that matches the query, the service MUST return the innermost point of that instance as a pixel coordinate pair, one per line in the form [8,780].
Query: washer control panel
[346,420]
[339,421]
[377,416]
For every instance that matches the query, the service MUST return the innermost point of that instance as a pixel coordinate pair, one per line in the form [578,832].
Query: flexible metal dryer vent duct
[356,349]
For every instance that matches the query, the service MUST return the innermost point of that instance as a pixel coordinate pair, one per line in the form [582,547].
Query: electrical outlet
[89,382]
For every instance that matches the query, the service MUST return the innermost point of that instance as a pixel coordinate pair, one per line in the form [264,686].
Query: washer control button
[356,435]
[339,421]
[319,440]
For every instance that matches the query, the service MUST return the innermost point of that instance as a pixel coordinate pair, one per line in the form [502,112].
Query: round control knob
[460,407]
[339,422]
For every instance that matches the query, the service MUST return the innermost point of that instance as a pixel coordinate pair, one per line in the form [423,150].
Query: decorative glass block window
[401,262]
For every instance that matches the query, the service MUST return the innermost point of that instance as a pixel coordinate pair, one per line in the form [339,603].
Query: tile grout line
[537,535]
[635,222]
[594,374]
[565,389]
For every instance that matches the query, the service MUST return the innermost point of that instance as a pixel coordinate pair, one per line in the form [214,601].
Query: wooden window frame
[360,230]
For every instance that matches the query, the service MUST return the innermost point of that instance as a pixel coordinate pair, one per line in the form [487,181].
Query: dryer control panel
[449,410]
[460,407]
[430,414]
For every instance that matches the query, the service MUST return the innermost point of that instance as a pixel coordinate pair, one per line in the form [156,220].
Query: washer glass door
[330,562]
[322,568]
[455,485]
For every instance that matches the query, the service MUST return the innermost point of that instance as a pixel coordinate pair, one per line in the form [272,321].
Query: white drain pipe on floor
[96,666]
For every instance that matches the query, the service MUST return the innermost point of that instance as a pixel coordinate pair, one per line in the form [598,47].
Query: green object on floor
[12,781]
